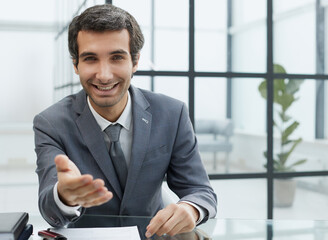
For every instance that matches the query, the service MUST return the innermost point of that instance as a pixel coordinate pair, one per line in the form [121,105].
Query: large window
[255,71]
[27,30]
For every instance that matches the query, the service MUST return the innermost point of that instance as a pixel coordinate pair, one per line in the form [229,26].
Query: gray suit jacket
[163,144]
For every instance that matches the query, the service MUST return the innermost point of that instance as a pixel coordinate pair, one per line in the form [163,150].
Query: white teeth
[106,88]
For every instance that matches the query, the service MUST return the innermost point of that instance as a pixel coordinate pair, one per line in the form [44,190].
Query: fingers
[88,188]
[171,220]
[95,199]
[76,192]
[76,189]
[92,192]
[65,165]
[73,183]
[156,224]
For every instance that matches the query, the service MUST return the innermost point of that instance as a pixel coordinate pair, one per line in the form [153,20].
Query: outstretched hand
[76,189]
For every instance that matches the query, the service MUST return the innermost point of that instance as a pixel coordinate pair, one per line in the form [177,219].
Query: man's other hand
[76,189]
[172,220]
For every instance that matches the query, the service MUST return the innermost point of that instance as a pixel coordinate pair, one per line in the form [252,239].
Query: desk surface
[222,229]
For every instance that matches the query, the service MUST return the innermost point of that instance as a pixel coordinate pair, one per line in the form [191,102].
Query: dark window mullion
[152,44]
[270,80]
[192,60]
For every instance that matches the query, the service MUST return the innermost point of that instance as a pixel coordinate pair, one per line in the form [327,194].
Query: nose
[104,73]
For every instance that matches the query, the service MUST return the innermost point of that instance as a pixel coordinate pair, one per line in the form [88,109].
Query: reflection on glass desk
[221,229]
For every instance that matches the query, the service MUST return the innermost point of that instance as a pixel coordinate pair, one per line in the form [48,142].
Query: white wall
[27,31]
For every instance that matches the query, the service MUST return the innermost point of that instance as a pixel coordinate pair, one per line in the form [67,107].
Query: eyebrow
[119,51]
[84,54]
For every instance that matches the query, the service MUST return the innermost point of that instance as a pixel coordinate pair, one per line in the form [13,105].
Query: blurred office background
[211,54]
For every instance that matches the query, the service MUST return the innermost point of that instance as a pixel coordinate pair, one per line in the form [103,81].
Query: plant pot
[283,192]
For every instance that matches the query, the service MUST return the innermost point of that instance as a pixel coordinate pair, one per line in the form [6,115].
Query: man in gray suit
[75,163]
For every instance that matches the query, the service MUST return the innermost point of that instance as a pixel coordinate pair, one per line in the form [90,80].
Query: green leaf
[277,68]
[284,117]
[287,169]
[288,131]
[284,100]
[287,142]
[263,89]
[275,161]
[279,86]
[284,155]
[265,154]
[293,85]
[299,162]
[278,166]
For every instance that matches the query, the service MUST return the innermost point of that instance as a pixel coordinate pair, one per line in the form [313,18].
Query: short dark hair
[101,18]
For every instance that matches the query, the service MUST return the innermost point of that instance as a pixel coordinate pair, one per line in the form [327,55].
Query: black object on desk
[12,224]
[26,233]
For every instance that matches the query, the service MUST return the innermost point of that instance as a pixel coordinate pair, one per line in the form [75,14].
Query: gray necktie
[116,153]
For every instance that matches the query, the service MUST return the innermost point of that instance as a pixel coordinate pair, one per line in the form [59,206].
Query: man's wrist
[200,212]
[67,210]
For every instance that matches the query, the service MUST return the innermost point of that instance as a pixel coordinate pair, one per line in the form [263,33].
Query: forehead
[106,41]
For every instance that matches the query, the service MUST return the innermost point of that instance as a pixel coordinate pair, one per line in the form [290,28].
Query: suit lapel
[94,140]
[142,121]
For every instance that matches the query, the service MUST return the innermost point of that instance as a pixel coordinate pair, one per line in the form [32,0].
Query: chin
[104,104]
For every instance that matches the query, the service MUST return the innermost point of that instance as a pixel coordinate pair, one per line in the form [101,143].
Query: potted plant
[284,91]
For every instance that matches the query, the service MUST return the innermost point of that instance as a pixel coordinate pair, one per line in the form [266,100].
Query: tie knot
[113,132]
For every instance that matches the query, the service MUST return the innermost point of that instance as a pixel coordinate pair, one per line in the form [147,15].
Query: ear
[135,67]
[75,67]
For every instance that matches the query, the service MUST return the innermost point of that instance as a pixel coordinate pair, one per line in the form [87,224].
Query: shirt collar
[124,119]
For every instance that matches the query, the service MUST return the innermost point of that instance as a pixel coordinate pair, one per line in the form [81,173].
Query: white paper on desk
[110,233]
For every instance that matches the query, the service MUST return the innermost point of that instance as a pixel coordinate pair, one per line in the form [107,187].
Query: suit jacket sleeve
[186,175]
[47,146]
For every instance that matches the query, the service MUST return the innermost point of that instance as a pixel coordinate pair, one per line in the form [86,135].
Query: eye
[89,59]
[117,57]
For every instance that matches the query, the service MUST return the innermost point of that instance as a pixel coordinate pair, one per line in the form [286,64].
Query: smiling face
[105,69]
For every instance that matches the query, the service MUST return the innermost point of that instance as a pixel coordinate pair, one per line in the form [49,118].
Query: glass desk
[221,229]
